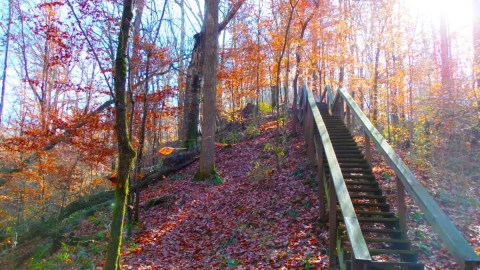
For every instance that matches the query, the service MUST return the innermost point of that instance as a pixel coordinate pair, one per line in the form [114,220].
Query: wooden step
[344,143]
[347,155]
[374,213]
[380,240]
[356,151]
[382,206]
[360,183]
[391,265]
[343,136]
[386,251]
[374,190]
[346,164]
[379,198]
[351,160]
[356,176]
[353,170]
[377,230]
[350,176]
[345,147]
[383,220]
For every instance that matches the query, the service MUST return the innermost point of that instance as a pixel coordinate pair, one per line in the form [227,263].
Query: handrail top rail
[354,232]
[452,238]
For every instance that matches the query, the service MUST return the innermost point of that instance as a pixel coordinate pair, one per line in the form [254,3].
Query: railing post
[320,175]
[368,150]
[349,118]
[309,137]
[332,217]
[401,206]
[358,264]
[353,115]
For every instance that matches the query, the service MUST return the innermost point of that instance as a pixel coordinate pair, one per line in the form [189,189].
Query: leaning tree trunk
[207,154]
[126,153]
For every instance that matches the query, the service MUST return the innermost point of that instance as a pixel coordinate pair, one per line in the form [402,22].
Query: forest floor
[259,218]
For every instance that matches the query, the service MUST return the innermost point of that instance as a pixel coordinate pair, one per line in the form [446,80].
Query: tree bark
[5,63]
[181,68]
[207,153]
[476,41]
[126,153]
[191,108]
[298,58]
[138,166]
[446,69]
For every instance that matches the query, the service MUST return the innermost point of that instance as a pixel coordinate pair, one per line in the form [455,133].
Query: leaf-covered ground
[259,217]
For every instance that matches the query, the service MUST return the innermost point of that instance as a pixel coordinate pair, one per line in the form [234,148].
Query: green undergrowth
[82,240]
[209,178]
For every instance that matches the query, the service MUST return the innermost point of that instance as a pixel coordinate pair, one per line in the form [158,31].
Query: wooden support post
[320,175]
[368,150]
[401,205]
[349,118]
[353,115]
[332,216]
[358,264]
[309,136]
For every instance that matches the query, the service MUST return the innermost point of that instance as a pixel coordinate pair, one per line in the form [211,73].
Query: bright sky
[459,12]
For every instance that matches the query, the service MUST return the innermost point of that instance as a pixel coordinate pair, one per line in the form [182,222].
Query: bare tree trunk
[282,53]
[5,62]
[126,153]
[181,69]
[207,154]
[374,96]
[476,46]
[191,109]
[298,58]
[446,69]
[138,165]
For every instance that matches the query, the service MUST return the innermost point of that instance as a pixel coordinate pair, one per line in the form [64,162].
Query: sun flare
[458,12]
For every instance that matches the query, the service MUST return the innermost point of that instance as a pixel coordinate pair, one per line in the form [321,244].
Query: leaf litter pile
[259,217]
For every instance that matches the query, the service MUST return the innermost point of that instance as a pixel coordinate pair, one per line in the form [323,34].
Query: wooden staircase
[387,243]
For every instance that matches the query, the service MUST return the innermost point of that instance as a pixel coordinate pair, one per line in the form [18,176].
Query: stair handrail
[360,252]
[461,250]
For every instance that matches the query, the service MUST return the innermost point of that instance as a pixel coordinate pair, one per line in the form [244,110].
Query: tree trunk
[191,108]
[5,63]
[126,153]
[141,142]
[298,58]
[181,70]
[207,154]
[135,78]
[476,44]
[374,96]
[446,69]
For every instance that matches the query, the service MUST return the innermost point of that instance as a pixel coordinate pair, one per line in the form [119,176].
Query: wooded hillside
[104,97]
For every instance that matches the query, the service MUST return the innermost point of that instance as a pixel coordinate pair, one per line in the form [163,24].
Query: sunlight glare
[459,12]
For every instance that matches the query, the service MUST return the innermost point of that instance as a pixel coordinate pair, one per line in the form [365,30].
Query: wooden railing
[343,105]
[333,190]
